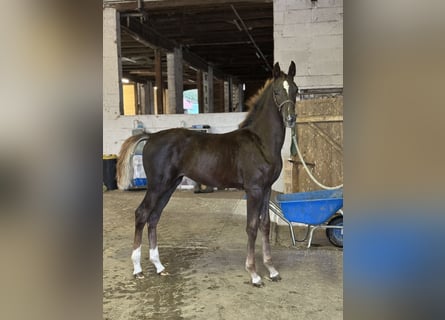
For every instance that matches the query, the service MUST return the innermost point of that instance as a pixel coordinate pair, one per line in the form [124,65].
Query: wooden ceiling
[235,37]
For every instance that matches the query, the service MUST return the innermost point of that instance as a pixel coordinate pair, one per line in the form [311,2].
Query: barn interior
[225,50]
[228,41]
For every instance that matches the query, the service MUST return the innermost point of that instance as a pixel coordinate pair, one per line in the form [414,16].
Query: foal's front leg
[265,230]
[254,198]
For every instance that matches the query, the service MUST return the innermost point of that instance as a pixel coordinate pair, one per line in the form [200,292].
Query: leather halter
[280,106]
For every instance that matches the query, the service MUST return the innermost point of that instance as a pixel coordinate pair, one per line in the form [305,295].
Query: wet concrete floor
[202,243]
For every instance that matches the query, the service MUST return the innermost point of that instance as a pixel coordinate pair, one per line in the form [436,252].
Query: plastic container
[139,180]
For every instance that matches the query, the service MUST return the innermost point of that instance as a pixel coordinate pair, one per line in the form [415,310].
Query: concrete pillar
[175,81]
[111,83]
[226,96]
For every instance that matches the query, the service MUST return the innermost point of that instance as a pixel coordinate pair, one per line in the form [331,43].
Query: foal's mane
[253,106]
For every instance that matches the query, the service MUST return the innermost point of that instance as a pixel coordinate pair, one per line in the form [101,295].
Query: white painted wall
[311,34]
[117,129]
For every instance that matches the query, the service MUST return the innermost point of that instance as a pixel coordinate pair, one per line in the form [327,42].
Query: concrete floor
[202,243]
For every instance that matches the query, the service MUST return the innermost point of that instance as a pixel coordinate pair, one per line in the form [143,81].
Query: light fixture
[155,88]
[125,80]
[193,68]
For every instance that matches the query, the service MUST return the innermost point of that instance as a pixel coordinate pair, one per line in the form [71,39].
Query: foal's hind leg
[149,211]
[265,230]
[152,224]
[141,217]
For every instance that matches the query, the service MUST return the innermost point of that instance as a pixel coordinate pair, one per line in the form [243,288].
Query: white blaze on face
[286,86]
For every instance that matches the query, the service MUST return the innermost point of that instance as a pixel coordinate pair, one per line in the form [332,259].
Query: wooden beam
[152,5]
[199,84]
[230,82]
[210,89]
[159,82]
[310,119]
[149,101]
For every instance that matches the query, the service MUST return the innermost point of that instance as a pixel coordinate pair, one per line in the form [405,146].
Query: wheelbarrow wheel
[335,235]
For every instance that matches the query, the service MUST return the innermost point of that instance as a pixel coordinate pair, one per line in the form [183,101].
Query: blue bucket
[140,182]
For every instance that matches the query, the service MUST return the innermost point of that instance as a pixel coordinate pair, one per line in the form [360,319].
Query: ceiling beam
[151,38]
[147,36]
[151,5]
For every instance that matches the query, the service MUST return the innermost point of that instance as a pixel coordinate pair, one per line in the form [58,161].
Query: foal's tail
[124,169]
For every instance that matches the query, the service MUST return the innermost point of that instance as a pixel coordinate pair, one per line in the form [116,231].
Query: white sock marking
[154,258]
[256,279]
[273,273]
[136,258]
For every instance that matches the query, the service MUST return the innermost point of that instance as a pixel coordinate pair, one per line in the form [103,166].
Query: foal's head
[285,93]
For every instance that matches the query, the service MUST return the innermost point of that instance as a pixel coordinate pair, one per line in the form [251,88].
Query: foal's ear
[291,72]
[276,70]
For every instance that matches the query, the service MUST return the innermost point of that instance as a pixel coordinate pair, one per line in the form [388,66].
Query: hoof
[258,284]
[276,278]
[139,275]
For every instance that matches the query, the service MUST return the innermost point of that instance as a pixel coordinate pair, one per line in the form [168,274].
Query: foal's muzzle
[290,120]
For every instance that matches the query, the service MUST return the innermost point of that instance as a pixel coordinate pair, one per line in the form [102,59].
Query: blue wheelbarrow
[316,209]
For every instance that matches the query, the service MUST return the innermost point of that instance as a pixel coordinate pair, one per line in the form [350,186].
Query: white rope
[294,139]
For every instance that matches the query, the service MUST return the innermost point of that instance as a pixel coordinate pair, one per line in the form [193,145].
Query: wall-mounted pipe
[251,38]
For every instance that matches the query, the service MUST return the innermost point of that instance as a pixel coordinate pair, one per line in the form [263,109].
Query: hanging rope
[294,147]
